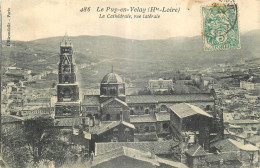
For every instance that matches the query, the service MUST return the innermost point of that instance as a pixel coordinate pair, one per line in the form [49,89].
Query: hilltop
[135,59]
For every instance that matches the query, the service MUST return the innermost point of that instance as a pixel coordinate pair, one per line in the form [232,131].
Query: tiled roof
[178,98]
[221,156]
[171,163]
[10,119]
[225,146]
[125,151]
[68,122]
[185,110]
[113,99]
[196,150]
[146,137]
[243,122]
[163,116]
[158,147]
[247,147]
[91,100]
[142,118]
[105,126]
[254,139]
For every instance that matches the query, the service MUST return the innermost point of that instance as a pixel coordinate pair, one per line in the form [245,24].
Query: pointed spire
[112,68]
[66,40]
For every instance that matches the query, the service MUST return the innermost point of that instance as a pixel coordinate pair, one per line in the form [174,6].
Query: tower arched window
[66,79]
[147,111]
[67,93]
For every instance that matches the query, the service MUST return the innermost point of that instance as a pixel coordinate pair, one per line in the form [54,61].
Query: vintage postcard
[130,83]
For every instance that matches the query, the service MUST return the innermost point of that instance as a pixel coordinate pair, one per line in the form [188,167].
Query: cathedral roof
[112,78]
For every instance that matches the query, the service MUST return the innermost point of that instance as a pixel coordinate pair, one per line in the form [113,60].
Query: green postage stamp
[220,27]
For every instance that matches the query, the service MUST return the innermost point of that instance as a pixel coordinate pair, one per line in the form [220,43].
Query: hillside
[134,59]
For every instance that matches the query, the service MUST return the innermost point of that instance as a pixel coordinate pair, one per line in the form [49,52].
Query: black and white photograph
[130,84]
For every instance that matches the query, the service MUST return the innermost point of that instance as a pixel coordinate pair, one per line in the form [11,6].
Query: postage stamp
[220,27]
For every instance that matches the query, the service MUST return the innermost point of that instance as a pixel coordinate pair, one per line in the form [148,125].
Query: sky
[36,19]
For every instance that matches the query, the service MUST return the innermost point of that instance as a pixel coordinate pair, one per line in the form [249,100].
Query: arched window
[108,117]
[152,128]
[147,111]
[136,129]
[104,90]
[67,93]
[208,108]
[132,112]
[114,139]
[66,79]
[121,91]
[146,129]
[165,126]
[115,131]
[118,116]
[96,115]
[127,131]
[163,107]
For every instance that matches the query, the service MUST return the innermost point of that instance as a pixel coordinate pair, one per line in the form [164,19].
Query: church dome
[112,78]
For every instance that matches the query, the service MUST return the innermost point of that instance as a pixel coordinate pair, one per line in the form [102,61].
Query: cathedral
[113,116]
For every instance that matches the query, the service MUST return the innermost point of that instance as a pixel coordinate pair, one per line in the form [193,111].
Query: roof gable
[114,101]
[196,150]
[105,126]
[183,110]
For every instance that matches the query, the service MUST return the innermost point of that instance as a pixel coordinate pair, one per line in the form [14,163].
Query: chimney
[100,123]
[92,156]
[152,153]
[121,116]
[83,123]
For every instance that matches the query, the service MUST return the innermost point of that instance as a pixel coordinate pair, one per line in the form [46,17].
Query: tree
[43,140]
[38,142]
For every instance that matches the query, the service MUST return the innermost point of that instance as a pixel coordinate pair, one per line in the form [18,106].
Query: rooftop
[113,99]
[191,97]
[163,116]
[105,126]
[91,100]
[68,122]
[185,110]
[241,122]
[10,119]
[158,147]
[196,150]
[146,118]
[125,151]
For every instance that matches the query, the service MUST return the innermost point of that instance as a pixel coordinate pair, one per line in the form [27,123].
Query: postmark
[220,27]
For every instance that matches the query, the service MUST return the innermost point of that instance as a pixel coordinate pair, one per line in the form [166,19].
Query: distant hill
[134,59]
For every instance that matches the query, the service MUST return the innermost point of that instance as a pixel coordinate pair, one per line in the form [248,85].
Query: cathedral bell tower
[68,103]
